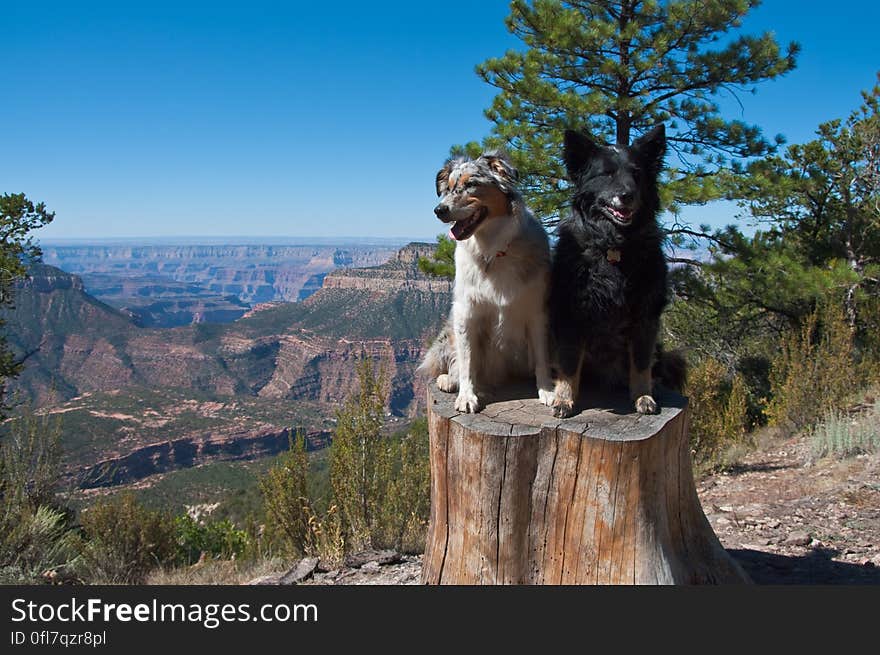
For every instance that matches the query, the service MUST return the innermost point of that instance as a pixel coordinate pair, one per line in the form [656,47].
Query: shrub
[360,461]
[35,535]
[216,539]
[379,484]
[815,370]
[408,504]
[37,547]
[30,458]
[719,411]
[842,435]
[125,541]
[286,503]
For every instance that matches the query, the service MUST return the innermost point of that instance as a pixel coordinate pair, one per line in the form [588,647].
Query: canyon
[167,285]
[134,401]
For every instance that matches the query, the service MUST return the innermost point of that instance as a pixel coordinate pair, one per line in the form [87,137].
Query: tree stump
[604,497]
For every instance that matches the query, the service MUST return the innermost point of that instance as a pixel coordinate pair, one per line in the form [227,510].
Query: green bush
[215,539]
[719,411]
[125,541]
[38,547]
[379,485]
[360,460]
[30,463]
[408,504]
[286,503]
[36,540]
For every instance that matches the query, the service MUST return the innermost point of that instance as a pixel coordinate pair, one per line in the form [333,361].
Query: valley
[136,403]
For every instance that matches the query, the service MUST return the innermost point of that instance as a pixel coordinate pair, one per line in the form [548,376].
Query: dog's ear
[442,183]
[651,149]
[504,171]
[577,151]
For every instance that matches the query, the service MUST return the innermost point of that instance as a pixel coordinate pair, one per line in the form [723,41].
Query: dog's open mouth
[465,228]
[621,216]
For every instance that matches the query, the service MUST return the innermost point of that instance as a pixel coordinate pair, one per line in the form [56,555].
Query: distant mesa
[164,285]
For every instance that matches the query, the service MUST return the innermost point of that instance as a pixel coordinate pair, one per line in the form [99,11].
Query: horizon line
[232,239]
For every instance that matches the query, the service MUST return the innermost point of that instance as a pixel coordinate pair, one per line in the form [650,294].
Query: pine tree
[442,261]
[18,218]
[616,68]
[822,199]
[819,208]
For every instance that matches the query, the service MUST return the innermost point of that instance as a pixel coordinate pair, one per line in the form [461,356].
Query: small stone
[302,570]
[265,580]
[721,521]
[383,557]
[798,538]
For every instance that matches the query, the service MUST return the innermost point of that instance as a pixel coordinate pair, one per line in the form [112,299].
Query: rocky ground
[373,567]
[786,519]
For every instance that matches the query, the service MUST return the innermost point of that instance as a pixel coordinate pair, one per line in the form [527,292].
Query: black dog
[608,284]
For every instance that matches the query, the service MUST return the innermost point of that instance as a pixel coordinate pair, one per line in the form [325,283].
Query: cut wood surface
[604,497]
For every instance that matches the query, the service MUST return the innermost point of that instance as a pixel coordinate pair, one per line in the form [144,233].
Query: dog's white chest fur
[498,300]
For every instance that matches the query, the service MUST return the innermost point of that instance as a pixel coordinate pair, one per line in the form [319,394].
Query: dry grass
[218,572]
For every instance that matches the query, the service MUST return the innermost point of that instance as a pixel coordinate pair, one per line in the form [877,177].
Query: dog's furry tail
[438,359]
[670,369]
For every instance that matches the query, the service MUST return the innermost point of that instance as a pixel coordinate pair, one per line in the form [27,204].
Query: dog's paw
[467,402]
[647,405]
[562,408]
[447,383]
[546,396]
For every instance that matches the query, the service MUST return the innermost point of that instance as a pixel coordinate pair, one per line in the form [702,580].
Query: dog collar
[498,253]
[612,255]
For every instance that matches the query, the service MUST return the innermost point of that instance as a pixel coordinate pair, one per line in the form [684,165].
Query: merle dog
[497,329]
[608,284]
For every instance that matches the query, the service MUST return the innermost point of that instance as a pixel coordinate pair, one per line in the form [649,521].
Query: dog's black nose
[442,211]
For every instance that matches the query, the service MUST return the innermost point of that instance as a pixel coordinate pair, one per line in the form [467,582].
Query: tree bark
[605,497]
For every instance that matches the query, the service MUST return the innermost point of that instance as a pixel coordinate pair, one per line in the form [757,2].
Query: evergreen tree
[616,68]
[819,207]
[822,200]
[18,218]
[442,261]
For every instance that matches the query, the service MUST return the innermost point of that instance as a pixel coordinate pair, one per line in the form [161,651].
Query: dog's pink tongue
[452,235]
[456,229]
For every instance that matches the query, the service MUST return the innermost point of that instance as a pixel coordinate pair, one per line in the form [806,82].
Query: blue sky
[304,119]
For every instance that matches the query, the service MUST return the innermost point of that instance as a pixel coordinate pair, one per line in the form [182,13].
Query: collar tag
[613,255]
